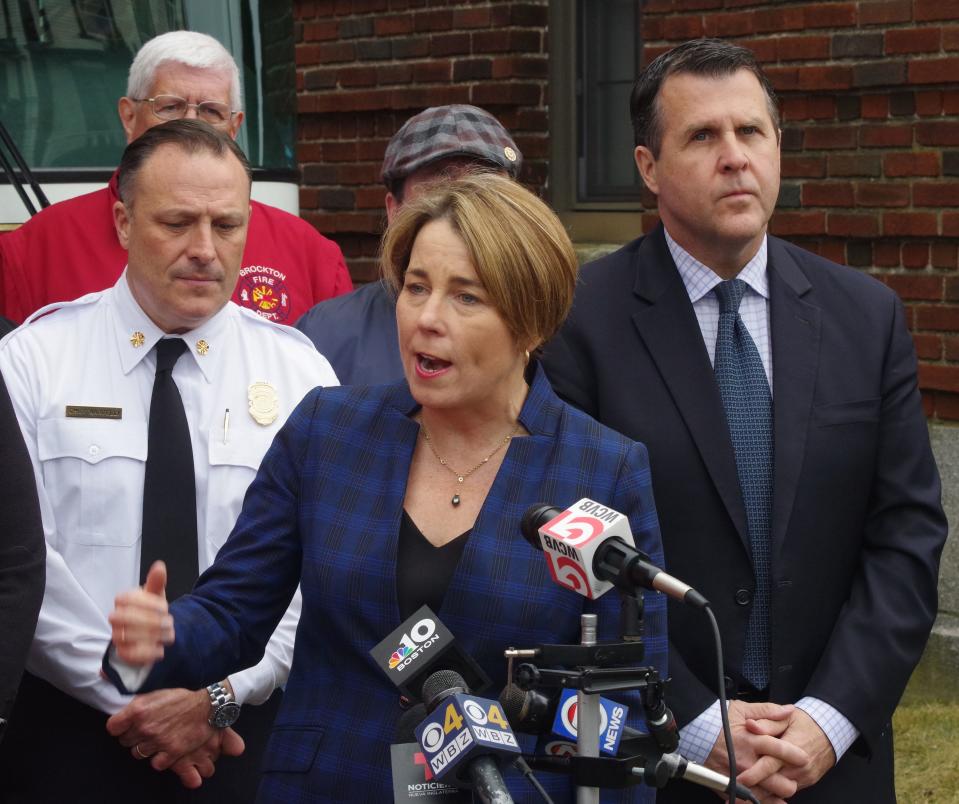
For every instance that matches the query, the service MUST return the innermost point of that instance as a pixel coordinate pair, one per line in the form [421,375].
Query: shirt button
[94,450]
[743,597]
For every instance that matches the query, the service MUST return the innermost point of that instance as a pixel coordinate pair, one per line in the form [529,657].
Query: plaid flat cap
[444,131]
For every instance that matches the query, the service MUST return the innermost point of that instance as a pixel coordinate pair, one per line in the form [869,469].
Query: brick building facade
[869,96]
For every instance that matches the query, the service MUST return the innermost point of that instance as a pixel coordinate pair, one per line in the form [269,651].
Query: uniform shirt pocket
[233,465]
[93,474]
[244,446]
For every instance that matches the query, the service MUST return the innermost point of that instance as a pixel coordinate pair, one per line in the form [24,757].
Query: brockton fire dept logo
[263,290]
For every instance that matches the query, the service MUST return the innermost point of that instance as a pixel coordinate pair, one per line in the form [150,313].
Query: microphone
[589,548]
[407,722]
[420,646]
[675,766]
[412,778]
[528,711]
[463,735]
[532,712]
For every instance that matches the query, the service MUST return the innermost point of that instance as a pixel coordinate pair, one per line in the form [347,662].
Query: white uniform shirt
[97,352]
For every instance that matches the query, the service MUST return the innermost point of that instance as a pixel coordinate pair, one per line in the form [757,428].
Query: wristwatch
[225,708]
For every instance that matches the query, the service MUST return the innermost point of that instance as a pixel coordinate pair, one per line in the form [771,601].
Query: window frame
[586,221]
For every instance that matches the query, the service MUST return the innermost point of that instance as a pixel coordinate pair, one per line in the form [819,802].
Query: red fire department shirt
[71,248]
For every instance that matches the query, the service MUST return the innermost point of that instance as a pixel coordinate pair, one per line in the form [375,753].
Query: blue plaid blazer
[324,512]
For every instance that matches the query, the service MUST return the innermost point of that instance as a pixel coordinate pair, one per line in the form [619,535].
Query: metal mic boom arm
[591,680]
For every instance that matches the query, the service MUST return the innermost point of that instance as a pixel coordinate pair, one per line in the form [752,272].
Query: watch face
[225,715]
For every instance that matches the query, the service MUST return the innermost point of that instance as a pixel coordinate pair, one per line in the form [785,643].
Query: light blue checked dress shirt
[699,736]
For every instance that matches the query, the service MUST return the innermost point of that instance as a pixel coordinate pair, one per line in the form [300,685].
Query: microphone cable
[521,765]
[724,715]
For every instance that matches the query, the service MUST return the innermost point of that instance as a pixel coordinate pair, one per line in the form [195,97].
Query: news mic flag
[570,541]
[413,781]
[420,646]
[462,728]
[612,721]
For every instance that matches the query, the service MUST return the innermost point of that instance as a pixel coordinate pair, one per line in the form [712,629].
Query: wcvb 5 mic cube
[571,539]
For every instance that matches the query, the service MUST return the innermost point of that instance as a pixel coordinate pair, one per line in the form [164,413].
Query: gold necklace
[461,476]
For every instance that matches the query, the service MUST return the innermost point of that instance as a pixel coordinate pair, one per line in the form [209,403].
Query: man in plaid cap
[357,332]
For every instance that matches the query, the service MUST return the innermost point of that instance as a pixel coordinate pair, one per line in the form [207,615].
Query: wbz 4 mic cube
[570,541]
[461,728]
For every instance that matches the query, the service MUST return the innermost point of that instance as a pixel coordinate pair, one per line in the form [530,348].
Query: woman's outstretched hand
[141,621]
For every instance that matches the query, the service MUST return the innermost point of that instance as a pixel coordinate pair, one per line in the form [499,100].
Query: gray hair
[713,58]
[184,47]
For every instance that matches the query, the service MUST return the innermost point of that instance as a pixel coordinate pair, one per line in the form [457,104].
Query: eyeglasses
[170,107]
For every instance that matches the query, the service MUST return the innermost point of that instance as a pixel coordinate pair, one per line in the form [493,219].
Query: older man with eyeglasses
[71,248]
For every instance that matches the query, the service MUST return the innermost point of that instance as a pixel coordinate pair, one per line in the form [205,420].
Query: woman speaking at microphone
[378,500]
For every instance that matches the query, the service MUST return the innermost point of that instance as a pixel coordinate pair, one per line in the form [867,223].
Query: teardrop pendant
[455,500]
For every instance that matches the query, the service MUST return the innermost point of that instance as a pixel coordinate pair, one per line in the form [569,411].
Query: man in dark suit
[22,569]
[777,395]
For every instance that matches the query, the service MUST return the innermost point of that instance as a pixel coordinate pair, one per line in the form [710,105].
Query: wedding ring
[140,753]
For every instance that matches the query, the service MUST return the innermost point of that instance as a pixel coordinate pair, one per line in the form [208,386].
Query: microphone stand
[587,716]
[600,668]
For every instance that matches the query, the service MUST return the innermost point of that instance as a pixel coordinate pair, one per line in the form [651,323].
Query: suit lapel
[795,326]
[668,327]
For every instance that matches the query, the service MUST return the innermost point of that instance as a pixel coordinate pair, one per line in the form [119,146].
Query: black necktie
[744,389]
[169,488]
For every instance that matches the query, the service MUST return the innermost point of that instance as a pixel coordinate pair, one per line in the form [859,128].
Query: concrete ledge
[587,252]
[937,676]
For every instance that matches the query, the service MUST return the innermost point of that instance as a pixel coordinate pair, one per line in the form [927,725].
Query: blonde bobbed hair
[518,247]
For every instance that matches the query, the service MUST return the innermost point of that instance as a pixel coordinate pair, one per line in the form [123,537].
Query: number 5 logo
[568,573]
[573,529]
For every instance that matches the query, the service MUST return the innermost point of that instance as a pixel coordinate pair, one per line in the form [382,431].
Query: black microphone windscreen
[407,722]
[440,685]
[530,711]
[535,517]
[513,701]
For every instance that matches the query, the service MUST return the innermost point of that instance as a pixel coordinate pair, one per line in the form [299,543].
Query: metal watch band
[224,708]
[219,695]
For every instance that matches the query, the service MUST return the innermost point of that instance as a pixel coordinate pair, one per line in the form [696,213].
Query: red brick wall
[870,123]
[365,66]
[870,150]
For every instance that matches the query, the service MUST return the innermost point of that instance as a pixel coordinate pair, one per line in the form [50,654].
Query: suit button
[743,597]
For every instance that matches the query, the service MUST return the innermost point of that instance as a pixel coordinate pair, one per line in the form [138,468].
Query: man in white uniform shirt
[80,376]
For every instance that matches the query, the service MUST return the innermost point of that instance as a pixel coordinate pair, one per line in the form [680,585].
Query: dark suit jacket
[857,523]
[22,554]
[325,510]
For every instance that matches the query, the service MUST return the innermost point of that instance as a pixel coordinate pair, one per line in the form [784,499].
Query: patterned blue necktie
[749,413]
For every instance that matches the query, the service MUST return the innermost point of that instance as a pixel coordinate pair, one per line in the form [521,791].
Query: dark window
[64,65]
[606,66]
[595,50]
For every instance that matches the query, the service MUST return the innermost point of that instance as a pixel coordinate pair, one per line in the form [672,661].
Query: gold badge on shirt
[264,403]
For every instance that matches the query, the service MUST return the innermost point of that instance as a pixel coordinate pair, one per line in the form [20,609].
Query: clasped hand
[168,727]
[779,750]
